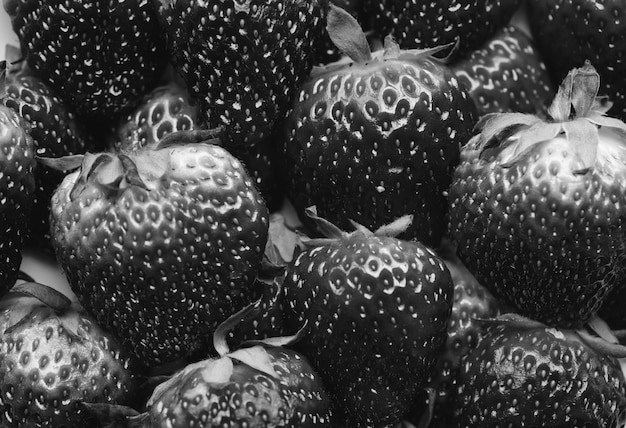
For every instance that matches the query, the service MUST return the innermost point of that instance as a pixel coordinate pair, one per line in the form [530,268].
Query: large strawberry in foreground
[377,138]
[53,357]
[244,60]
[17,186]
[538,208]
[525,374]
[161,244]
[99,56]
[377,308]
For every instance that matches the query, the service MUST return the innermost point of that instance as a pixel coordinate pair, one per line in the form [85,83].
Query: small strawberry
[537,207]
[258,385]
[377,138]
[567,32]
[52,357]
[243,60]
[523,373]
[161,244]
[426,24]
[377,308]
[55,131]
[506,74]
[101,57]
[17,186]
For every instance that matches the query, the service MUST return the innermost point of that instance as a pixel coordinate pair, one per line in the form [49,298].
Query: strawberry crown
[577,112]
[348,36]
[332,233]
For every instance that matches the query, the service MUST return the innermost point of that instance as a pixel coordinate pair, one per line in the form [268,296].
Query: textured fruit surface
[55,131]
[17,185]
[100,56]
[225,393]
[51,361]
[243,59]
[568,32]
[161,244]
[539,377]
[506,74]
[377,308]
[426,24]
[550,240]
[375,141]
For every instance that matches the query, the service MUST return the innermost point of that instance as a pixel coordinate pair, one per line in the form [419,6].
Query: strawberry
[165,109]
[523,373]
[537,206]
[244,60]
[377,307]
[419,24]
[55,131]
[377,138]
[17,186]
[506,74]
[569,31]
[471,302]
[100,57]
[169,108]
[161,244]
[258,385]
[52,357]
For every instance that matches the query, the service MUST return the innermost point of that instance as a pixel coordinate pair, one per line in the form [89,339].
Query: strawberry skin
[538,211]
[426,24]
[17,186]
[377,310]
[56,132]
[521,377]
[160,244]
[50,361]
[101,57]
[506,74]
[243,60]
[567,32]
[246,396]
[373,141]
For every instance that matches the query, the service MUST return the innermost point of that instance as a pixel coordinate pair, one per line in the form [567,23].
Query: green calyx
[576,113]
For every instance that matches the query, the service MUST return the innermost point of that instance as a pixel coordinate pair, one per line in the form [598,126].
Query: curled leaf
[346,33]
[45,294]
[256,357]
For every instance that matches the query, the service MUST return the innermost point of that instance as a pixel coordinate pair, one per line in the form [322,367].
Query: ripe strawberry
[55,131]
[100,57]
[243,61]
[378,138]
[166,109]
[419,24]
[17,185]
[523,374]
[506,74]
[537,207]
[265,385]
[161,244]
[569,31]
[169,108]
[377,308]
[471,302]
[52,358]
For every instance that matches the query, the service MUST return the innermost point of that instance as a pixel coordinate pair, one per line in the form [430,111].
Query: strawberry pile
[314,214]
